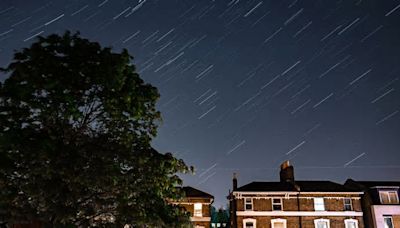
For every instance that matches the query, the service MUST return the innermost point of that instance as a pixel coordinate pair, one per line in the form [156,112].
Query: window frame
[251,203]
[387,192]
[388,217]
[197,212]
[346,221]
[321,220]
[323,204]
[254,221]
[351,204]
[280,203]
[278,220]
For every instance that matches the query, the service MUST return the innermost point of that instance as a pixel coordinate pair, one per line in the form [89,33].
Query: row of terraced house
[291,203]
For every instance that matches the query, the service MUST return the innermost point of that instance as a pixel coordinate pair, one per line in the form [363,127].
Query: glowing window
[319,204]
[198,210]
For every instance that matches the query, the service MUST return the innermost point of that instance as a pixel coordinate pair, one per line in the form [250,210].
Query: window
[388,222]
[351,223]
[248,204]
[321,223]
[198,210]
[277,204]
[388,197]
[347,204]
[249,223]
[319,204]
[278,223]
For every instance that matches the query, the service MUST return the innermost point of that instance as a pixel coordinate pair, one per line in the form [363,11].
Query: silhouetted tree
[76,122]
[220,216]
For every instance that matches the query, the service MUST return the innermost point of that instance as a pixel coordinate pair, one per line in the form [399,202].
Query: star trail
[247,84]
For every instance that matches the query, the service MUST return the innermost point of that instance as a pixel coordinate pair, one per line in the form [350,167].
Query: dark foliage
[76,122]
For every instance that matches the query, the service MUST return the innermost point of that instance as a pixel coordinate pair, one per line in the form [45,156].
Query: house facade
[295,204]
[198,204]
[380,202]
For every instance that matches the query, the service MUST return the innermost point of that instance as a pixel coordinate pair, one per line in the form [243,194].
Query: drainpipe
[298,207]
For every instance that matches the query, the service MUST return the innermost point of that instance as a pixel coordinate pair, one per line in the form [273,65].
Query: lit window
[198,210]
[278,223]
[388,222]
[351,223]
[249,223]
[319,204]
[248,204]
[277,204]
[388,197]
[321,223]
[347,204]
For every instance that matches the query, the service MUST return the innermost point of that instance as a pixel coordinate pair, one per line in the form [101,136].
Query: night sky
[248,84]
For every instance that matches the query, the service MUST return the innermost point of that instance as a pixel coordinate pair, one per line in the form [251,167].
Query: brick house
[295,204]
[198,204]
[380,202]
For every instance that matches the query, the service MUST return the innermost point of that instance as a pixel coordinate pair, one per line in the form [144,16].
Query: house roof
[370,184]
[304,186]
[193,192]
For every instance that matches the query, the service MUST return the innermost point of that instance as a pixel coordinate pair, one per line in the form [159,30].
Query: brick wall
[331,204]
[396,220]
[190,209]
[205,224]
[188,204]
[293,222]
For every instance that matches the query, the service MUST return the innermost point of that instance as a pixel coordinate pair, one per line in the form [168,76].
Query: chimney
[287,172]
[234,182]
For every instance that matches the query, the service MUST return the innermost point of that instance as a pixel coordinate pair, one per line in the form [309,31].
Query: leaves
[76,122]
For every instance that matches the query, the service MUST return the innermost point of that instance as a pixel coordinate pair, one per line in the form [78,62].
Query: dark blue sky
[248,84]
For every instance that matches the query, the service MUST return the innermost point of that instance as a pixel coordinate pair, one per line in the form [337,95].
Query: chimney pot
[287,172]
[234,182]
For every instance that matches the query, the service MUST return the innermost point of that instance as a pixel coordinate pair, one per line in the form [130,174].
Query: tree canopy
[76,122]
[220,216]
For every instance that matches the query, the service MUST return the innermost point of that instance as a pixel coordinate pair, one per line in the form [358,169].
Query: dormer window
[248,204]
[388,197]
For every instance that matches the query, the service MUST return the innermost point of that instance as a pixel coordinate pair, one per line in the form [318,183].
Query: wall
[293,222]
[378,211]
[306,204]
[333,203]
